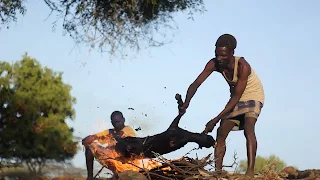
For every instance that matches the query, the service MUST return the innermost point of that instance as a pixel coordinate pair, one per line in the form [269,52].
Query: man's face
[117,121]
[224,56]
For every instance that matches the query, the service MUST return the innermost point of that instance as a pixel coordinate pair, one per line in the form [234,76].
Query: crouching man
[119,130]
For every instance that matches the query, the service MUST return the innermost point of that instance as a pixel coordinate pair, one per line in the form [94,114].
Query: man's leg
[220,150]
[89,162]
[249,132]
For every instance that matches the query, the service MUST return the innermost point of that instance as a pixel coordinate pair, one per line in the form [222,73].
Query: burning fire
[105,153]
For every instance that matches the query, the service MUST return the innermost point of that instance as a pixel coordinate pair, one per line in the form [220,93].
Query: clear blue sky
[279,39]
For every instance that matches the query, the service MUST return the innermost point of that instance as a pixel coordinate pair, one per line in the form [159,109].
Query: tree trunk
[35,166]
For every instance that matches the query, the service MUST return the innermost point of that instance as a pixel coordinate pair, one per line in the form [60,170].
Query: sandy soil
[287,173]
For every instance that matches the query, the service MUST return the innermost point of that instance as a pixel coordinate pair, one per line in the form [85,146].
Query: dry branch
[235,158]
[181,168]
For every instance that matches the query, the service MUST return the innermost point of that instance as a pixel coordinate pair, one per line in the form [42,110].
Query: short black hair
[227,40]
[116,113]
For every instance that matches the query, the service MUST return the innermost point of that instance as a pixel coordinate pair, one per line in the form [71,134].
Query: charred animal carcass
[168,141]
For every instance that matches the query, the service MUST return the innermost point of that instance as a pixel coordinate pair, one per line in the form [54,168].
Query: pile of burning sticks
[182,168]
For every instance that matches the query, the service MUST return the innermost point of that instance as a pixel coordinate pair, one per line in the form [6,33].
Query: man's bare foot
[221,173]
[250,174]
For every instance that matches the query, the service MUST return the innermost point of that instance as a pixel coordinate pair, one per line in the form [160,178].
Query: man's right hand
[88,140]
[210,125]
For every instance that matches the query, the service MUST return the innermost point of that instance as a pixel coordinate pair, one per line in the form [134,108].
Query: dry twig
[234,161]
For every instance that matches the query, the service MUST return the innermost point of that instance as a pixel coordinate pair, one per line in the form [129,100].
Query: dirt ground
[287,173]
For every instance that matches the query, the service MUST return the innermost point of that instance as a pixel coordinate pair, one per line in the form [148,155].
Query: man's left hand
[210,125]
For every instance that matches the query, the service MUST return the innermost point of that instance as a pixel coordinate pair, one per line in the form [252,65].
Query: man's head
[117,120]
[224,51]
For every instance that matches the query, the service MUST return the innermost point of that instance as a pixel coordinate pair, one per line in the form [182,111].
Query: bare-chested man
[246,99]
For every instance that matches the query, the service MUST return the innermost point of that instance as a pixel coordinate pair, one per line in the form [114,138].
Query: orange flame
[105,153]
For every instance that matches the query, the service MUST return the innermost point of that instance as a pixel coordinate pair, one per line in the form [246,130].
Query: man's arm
[89,139]
[209,68]
[244,72]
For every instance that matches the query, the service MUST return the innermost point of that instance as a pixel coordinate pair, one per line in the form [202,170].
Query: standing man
[119,130]
[246,99]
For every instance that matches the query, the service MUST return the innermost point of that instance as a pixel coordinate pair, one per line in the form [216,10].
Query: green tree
[116,23]
[34,104]
[264,163]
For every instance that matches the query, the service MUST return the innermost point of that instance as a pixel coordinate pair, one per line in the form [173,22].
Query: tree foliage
[117,23]
[34,105]
[9,9]
[264,163]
